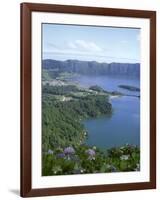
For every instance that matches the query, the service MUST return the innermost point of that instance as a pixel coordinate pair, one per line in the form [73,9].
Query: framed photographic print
[88,99]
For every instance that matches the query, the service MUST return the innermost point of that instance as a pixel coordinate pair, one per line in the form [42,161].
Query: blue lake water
[124,124]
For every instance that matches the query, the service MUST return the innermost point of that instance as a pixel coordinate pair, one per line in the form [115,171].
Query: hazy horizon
[91,61]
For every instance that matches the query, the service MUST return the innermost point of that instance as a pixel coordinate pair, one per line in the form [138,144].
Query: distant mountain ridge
[92,67]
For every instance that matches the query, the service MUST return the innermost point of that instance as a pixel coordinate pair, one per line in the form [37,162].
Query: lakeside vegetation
[130,88]
[64,150]
[63,112]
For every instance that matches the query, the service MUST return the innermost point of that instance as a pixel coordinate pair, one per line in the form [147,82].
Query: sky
[90,43]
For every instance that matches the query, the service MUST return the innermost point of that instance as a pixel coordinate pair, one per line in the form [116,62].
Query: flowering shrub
[82,159]
[69,151]
[50,151]
[91,154]
[60,155]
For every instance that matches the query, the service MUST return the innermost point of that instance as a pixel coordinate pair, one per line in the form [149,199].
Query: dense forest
[62,119]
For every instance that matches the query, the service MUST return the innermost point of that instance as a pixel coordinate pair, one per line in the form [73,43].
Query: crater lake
[123,126]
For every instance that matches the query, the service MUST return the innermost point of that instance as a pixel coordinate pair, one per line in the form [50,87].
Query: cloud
[77,48]
[82,44]
[77,45]
[87,46]
[85,50]
[71,45]
[95,47]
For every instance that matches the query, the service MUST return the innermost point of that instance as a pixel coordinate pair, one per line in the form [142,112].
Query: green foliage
[63,135]
[59,90]
[130,88]
[61,120]
[96,88]
[82,163]
[45,75]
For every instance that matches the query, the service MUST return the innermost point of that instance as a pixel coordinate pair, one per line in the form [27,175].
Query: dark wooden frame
[26,81]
